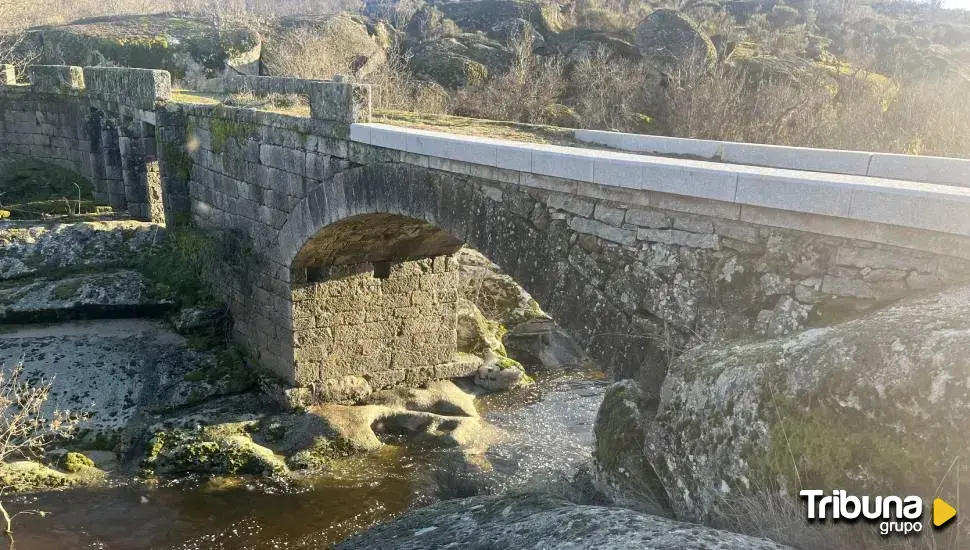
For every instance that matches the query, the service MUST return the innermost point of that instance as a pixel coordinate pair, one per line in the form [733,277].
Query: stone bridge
[336,234]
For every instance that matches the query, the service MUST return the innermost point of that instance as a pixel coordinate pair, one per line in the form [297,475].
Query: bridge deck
[915,204]
[917,192]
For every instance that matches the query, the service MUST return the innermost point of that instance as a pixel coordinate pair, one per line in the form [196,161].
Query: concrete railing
[949,171]
[912,204]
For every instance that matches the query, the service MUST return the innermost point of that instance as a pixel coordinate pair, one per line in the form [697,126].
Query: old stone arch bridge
[336,234]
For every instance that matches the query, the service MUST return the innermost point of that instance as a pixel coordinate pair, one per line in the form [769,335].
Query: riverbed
[548,434]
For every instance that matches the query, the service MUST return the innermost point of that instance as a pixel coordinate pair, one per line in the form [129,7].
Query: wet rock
[521,520]
[499,373]
[440,415]
[620,468]
[226,449]
[75,462]
[496,294]
[27,476]
[542,345]
[367,427]
[869,405]
[441,397]
[200,320]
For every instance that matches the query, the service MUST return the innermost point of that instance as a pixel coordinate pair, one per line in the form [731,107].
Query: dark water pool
[548,432]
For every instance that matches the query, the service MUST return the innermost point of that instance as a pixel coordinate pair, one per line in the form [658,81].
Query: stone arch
[495,219]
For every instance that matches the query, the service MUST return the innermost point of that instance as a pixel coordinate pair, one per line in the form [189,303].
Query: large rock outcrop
[320,47]
[674,42]
[29,249]
[457,61]
[527,521]
[483,15]
[877,405]
[191,48]
[111,293]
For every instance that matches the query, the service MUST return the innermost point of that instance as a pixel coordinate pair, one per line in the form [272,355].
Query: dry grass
[782,518]
[929,117]
[516,131]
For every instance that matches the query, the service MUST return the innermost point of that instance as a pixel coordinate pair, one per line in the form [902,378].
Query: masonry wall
[59,129]
[636,276]
[386,329]
[104,131]
[243,172]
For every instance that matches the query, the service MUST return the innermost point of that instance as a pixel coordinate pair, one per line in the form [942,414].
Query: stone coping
[913,204]
[943,170]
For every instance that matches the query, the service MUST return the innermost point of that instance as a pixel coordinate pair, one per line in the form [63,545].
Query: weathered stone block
[677,237]
[340,102]
[56,78]
[647,218]
[8,76]
[603,231]
[609,214]
[139,87]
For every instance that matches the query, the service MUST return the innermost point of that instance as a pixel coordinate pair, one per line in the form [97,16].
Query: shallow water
[548,432]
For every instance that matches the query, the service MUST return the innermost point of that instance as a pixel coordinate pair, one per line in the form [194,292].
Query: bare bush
[396,88]
[610,93]
[853,111]
[27,426]
[521,94]
[306,53]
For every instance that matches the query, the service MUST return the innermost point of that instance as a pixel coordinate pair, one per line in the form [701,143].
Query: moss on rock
[875,405]
[226,449]
[75,462]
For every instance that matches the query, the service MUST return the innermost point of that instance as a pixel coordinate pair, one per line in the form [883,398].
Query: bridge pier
[376,325]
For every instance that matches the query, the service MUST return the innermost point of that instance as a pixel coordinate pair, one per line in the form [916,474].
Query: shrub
[520,94]
[430,24]
[601,19]
[178,265]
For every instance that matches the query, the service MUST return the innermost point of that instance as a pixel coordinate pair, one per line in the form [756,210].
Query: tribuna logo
[895,514]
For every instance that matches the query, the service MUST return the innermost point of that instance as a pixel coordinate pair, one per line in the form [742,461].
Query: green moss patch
[177,267]
[31,188]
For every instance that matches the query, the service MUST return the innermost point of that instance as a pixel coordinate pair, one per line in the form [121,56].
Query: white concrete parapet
[919,205]
[948,171]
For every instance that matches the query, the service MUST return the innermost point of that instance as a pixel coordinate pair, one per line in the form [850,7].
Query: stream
[549,434]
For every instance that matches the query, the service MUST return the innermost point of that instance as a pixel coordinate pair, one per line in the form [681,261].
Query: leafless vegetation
[780,517]
[27,425]
[873,104]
